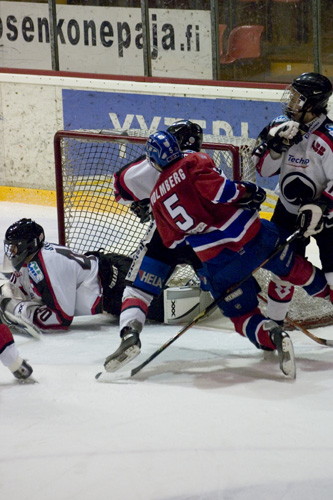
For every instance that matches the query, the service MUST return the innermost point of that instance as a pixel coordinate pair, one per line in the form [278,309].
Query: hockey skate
[23,371]
[284,349]
[130,348]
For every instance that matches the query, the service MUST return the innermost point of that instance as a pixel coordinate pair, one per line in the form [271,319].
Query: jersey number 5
[176,211]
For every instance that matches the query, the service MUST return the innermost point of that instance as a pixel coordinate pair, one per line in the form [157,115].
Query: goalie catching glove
[310,219]
[253,197]
[142,209]
[281,137]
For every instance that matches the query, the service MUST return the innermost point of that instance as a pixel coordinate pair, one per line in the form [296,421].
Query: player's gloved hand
[260,149]
[281,137]
[142,209]
[310,219]
[10,296]
[253,197]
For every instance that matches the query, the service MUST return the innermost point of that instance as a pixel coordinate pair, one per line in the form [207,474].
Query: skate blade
[24,381]
[122,360]
[288,366]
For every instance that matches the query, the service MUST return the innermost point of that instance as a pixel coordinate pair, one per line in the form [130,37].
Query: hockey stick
[297,326]
[110,377]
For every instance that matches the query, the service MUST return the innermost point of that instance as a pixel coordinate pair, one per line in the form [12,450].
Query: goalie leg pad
[183,304]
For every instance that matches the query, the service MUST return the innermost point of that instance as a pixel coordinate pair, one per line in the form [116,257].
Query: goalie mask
[162,150]
[188,134]
[308,92]
[22,239]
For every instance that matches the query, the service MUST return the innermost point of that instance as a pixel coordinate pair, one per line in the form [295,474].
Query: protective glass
[292,101]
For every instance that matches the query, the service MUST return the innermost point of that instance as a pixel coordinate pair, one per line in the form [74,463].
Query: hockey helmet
[22,239]
[188,134]
[162,150]
[308,92]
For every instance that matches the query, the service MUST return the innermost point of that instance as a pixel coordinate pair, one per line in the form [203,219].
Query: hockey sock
[279,298]
[252,326]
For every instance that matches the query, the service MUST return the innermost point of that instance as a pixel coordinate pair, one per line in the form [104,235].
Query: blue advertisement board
[85,109]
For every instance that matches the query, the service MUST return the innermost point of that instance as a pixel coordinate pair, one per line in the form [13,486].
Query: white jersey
[135,181]
[58,284]
[306,169]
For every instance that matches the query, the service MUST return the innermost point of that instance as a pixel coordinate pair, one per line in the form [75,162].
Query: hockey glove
[281,137]
[310,219]
[260,149]
[142,209]
[253,197]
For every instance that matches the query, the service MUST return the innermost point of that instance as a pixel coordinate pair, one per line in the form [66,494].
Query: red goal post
[88,216]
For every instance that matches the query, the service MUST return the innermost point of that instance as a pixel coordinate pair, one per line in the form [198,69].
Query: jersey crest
[35,272]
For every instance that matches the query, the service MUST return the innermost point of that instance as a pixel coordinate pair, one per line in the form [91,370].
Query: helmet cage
[292,102]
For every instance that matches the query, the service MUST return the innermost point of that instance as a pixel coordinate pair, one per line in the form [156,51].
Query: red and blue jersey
[192,202]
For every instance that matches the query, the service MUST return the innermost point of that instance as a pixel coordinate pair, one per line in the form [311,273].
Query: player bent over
[153,262]
[10,357]
[193,204]
[51,284]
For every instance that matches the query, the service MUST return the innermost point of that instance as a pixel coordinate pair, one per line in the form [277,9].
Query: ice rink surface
[211,418]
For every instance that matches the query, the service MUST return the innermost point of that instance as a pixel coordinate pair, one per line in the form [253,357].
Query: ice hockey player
[51,284]
[133,185]
[219,219]
[298,146]
[10,357]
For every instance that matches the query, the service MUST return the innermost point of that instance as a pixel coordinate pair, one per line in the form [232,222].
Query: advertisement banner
[236,118]
[106,40]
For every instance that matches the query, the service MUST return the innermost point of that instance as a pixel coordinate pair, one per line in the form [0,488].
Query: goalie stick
[297,326]
[113,377]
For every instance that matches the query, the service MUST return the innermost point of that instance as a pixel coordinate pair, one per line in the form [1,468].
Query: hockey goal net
[90,219]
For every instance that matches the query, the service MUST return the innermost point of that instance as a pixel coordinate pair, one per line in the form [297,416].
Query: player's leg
[9,355]
[281,293]
[241,306]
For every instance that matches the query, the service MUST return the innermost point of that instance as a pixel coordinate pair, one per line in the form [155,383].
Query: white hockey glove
[310,219]
[281,137]
[13,316]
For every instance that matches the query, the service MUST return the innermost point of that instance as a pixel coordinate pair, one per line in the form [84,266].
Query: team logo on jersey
[35,272]
[298,162]
[329,128]
[298,189]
